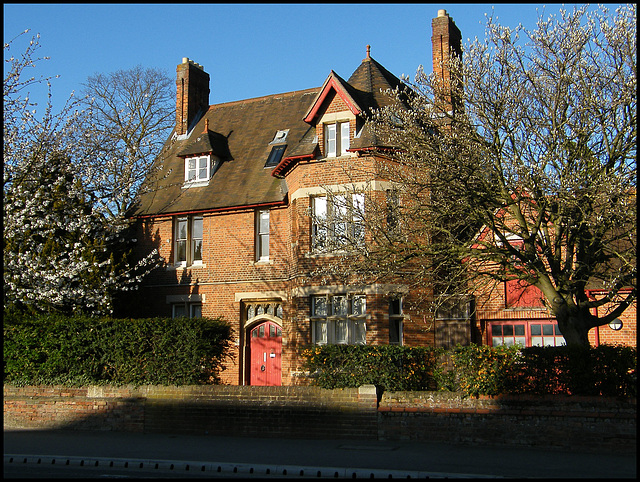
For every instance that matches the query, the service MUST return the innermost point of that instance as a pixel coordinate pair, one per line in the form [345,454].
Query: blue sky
[249,50]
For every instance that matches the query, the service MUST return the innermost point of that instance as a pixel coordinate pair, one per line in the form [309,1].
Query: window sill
[262,262]
[175,267]
[188,185]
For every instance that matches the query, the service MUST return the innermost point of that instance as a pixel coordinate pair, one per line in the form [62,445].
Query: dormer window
[336,139]
[197,169]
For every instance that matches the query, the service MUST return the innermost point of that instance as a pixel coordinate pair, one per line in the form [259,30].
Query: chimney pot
[185,60]
[442,13]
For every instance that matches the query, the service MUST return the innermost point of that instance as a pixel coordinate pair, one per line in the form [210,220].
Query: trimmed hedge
[390,367]
[56,349]
[478,369]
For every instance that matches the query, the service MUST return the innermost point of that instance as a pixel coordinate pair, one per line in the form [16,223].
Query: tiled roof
[239,133]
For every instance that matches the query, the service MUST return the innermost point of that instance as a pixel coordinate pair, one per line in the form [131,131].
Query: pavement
[296,458]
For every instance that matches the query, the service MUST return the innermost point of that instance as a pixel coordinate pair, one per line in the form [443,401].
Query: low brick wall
[293,411]
[586,423]
[568,422]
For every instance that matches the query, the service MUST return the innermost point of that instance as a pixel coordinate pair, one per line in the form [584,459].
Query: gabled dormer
[337,115]
[203,156]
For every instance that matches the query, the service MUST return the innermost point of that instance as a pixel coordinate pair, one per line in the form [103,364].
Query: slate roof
[239,133]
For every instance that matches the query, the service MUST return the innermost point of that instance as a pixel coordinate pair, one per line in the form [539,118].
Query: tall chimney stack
[446,40]
[192,94]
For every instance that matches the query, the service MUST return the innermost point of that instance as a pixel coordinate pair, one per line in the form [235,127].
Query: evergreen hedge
[56,349]
[478,369]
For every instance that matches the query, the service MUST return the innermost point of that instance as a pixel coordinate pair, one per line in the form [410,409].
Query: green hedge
[390,367]
[478,369]
[55,349]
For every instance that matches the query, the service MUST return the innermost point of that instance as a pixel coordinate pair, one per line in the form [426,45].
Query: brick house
[232,212]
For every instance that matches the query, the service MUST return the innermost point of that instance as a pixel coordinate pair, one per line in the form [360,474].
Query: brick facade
[231,280]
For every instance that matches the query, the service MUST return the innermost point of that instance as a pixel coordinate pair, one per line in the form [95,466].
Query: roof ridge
[256,99]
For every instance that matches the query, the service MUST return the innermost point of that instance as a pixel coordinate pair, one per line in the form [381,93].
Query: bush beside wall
[55,349]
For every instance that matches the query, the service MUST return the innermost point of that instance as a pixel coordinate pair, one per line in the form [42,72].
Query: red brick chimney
[192,94]
[446,40]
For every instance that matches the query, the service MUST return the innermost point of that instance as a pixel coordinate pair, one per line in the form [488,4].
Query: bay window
[339,319]
[337,222]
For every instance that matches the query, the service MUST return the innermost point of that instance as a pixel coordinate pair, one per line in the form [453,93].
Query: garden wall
[573,422]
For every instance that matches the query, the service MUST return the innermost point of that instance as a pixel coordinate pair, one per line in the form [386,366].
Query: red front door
[265,349]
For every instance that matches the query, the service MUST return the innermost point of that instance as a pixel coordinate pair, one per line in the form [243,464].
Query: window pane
[272,331]
[191,170]
[496,330]
[344,137]
[507,330]
[536,341]
[263,225]
[339,306]
[521,340]
[395,307]
[330,136]
[197,250]
[359,305]
[261,331]
[341,331]
[536,330]
[519,330]
[197,228]
[181,251]
[496,341]
[182,229]
[321,331]
[196,311]
[394,330]
[319,307]
[557,329]
[547,330]
[359,332]
[202,168]
[179,311]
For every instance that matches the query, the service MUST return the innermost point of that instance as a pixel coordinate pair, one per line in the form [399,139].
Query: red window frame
[548,333]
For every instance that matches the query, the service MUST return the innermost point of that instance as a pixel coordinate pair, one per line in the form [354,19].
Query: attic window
[275,156]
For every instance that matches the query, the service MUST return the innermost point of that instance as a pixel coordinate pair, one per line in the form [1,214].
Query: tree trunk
[574,325]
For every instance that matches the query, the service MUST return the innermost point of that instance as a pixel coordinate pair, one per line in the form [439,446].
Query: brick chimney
[446,40]
[192,94]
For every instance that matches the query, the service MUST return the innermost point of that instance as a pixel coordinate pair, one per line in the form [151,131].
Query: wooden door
[265,352]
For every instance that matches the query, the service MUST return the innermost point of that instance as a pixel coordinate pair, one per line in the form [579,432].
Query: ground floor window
[187,310]
[339,319]
[525,333]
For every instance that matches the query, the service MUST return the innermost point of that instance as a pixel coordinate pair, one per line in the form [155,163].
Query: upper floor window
[337,221]
[336,139]
[339,319]
[188,241]
[262,235]
[197,169]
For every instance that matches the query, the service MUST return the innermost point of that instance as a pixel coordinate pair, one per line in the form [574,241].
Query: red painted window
[520,294]
[525,333]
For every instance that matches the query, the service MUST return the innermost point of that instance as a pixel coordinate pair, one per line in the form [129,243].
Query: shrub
[389,367]
[54,349]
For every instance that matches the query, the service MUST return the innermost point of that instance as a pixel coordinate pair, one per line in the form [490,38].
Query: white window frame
[191,239]
[339,319]
[262,235]
[197,170]
[337,222]
[337,138]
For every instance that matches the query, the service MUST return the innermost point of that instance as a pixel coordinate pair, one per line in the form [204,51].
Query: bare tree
[131,113]
[522,165]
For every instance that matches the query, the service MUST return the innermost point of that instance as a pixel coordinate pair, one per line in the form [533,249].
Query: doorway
[265,354]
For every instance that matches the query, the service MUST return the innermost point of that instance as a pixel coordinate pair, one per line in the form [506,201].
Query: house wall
[491,307]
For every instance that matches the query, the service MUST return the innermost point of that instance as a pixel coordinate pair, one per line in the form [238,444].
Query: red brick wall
[575,423]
